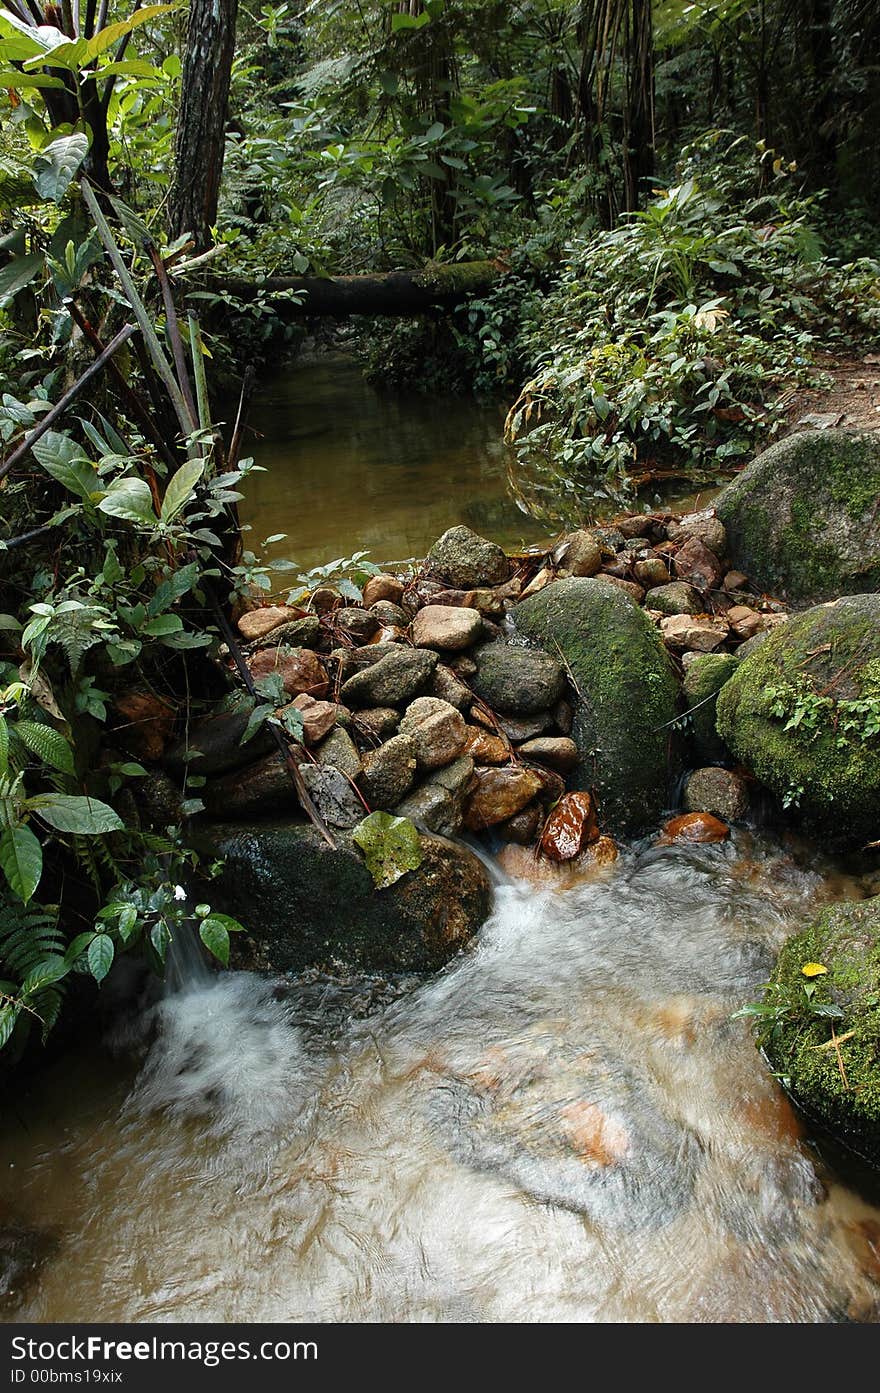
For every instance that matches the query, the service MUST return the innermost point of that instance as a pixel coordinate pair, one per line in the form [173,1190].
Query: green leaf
[50,970]
[86,817]
[215,937]
[4,745]
[19,273]
[130,499]
[255,720]
[180,488]
[21,858]
[100,956]
[404,21]
[64,460]
[391,847]
[127,923]
[162,624]
[57,163]
[9,1014]
[47,744]
[77,947]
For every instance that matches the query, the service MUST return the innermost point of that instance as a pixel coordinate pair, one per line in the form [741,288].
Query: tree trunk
[638,119]
[385,293]
[201,127]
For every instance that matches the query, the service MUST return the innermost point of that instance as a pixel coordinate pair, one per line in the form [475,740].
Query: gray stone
[706,526]
[719,791]
[332,795]
[437,805]
[703,679]
[389,772]
[437,729]
[397,677]
[518,681]
[378,721]
[676,598]
[464,559]
[448,627]
[338,751]
[448,686]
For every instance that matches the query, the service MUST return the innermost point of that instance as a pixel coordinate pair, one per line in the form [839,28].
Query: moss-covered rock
[304,904]
[705,676]
[802,714]
[627,695]
[845,939]
[802,520]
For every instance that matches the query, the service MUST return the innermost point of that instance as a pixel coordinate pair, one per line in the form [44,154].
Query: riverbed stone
[580,553]
[437,730]
[627,694]
[305,904]
[299,669]
[518,681]
[378,722]
[213,742]
[802,518]
[339,751]
[389,772]
[844,939]
[437,804]
[257,790]
[678,597]
[697,565]
[465,560]
[570,827]
[706,526]
[695,827]
[703,679]
[256,623]
[397,676]
[383,587]
[651,572]
[701,633]
[332,794]
[630,588]
[318,717]
[486,748]
[446,627]
[389,614]
[720,791]
[817,660]
[448,686]
[557,751]
[497,794]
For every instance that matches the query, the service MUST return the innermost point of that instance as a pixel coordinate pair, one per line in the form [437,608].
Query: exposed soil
[851,400]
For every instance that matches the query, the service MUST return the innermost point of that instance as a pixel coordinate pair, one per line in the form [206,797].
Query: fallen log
[383,293]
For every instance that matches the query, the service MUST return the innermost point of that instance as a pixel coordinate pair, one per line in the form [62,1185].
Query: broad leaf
[64,460]
[48,744]
[9,1014]
[57,163]
[129,499]
[100,956]
[50,970]
[19,273]
[215,937]
[85,817]
[162,624]
[21,858]
[180,488]
[391,847]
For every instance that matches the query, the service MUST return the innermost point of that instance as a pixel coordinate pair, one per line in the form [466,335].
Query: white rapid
[566,1125]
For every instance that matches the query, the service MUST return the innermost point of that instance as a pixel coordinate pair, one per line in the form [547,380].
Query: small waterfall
[185,966]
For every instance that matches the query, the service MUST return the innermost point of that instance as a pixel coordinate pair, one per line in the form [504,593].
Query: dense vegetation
[677,203]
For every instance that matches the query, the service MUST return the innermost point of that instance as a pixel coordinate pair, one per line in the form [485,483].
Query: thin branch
[173,331]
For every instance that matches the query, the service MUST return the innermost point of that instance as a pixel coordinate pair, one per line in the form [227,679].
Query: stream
[568,1124]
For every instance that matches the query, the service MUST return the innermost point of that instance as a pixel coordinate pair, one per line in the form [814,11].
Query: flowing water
[565,1125]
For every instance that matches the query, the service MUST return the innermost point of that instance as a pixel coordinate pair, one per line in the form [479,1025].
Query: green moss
[627,694]
[704,678]
[832,775]
[845,939]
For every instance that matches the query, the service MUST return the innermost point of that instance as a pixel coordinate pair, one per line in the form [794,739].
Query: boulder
[627,695]
[720,791]
[396,677]
[703,680]
[213,743]
[629,588]
[814,675]
[570,827]
[437,730]
[448,627]
[844,939]
[304,904]
[332,795]
[802,520]
[518,681]
[695,827]
[258,790]
[464,559]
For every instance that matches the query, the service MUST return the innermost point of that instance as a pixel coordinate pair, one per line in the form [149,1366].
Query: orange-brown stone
[298,668]
[498,794]
[570,827]
[259,622]
[695,827]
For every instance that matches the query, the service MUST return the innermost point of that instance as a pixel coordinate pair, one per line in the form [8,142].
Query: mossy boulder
[627,694]
[703,680]
[845,939]
[802,713]
[304,904]
[803,519]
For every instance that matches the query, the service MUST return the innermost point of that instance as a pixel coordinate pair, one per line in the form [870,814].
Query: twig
[173,331]
[70,396]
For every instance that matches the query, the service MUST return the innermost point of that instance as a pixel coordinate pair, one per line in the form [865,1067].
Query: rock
[698,632]
[463,666]
[383,587]
[338,751]
[632,526]
[557,751]
[298,633]
[378,722]
[214,742]
[816,667]
[580,553]
[552,784]
[699,566]
[735,580]
[570,827]
[396,677]
[356,623]
[517,681]
[519,728]
[147,723]
[389,772]
[389,614]
[332,795]
[628,588]
[446,685]
[318,717]
[437,729]
[488,602]
[719,791]
[446,627]
[695,827]
[844,939]
[563,717]
[591,864]
[802,519]
[304,904]
[524,826]
[703,679]
[498,794]
[389,634]
[485,748]
[676,598]
[628,694]
[705,526]
[323,600]
[612,537]
[651,572]
[260,789]
[465,560]
[299,669]
[256,623]
[437,805]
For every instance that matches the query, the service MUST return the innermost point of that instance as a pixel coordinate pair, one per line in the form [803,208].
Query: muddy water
[566,1125]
